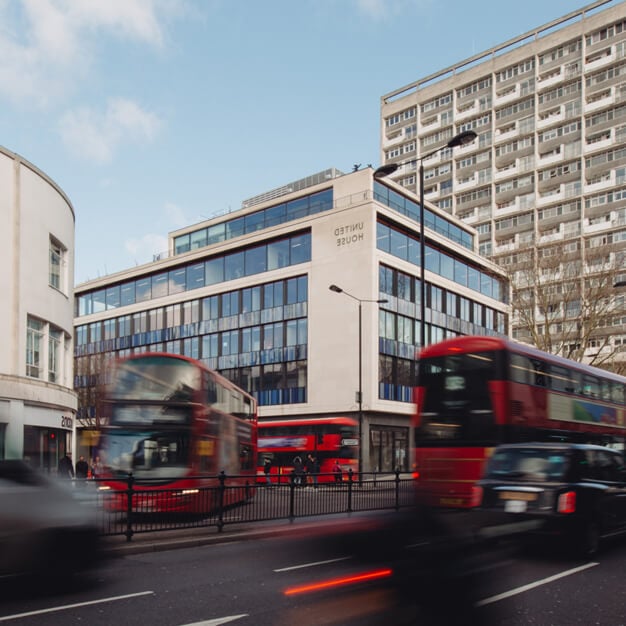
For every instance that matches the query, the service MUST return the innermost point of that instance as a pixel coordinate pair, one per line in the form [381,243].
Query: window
[55,346]
[57,257]
[44,350]
[34,335]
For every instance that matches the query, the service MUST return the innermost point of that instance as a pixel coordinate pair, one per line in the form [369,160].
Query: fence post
[220,512]
[397,489]
[129,507]
[350,479]
[292,498]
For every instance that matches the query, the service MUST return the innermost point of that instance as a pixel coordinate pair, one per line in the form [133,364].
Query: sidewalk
[157,541]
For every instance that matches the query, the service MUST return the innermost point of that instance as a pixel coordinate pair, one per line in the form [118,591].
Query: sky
[152,115]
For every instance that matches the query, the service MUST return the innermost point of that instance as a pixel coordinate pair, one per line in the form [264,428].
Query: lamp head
[336,288]
[385,170]
[462,139]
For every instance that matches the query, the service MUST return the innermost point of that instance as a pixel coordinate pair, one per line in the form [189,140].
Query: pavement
[201,536]
[454,523]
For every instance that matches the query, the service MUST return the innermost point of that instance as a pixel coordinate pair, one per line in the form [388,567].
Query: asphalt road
[307,574]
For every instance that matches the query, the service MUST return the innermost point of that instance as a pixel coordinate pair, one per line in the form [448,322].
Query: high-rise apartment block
[545,181]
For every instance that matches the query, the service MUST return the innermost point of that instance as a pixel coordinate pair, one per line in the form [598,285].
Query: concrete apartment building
[544,184]
[37,400]
[248,293]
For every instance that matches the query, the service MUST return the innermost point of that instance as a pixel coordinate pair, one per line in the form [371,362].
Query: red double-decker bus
[331,440]
[175,425]
[476,392]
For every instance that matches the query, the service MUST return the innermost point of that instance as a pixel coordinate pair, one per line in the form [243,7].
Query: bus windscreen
[457,403]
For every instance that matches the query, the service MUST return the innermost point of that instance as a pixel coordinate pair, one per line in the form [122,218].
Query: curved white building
[37,402]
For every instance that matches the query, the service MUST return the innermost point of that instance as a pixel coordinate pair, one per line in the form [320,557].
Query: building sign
[67,422]
[349,234]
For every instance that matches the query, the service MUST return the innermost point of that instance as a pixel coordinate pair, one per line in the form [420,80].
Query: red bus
[329,439]
[476,392]
[175,425]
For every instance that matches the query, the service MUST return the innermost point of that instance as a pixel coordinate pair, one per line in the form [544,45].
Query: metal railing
[148,507]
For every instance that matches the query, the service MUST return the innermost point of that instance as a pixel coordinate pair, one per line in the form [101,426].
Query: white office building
[248,293]
[544,184]
[37,401]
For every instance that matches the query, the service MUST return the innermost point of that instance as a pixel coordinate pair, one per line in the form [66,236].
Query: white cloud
[95,136]
[47,46]
[145,248]
[175,216]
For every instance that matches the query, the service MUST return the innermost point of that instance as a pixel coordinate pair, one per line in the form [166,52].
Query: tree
[564,301]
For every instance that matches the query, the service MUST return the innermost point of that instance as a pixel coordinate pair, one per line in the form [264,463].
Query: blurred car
[44,529]
[574,491]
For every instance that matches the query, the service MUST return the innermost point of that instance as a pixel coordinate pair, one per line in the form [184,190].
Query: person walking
[82,468]
[65,468]
[267,466]
[312,470]
[96,468]
[298,471]
[337,472]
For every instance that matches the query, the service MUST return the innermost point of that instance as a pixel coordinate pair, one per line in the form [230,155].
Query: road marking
[288,569]
[218,620]
[538,583]
[65,607]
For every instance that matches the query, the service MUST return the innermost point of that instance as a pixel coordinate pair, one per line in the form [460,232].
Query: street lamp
[338,289]
[462,139]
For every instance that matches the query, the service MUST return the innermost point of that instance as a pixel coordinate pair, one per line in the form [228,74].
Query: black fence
[149,507]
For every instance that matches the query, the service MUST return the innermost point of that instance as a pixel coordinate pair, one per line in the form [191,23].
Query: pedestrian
[65,469]
[337,472]
[82,468]
[96,468]
[298,471]
[267,466]
[312,470]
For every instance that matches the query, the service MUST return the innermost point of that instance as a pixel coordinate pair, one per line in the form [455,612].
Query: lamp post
[462,139]
[360,301]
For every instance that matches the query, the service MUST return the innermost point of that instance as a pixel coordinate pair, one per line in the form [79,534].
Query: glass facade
[248,261]
[433,221]
[256,337]
[406,246]
[265,218]
[448,314]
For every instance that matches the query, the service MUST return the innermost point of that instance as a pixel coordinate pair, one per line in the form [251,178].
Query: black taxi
[571,490]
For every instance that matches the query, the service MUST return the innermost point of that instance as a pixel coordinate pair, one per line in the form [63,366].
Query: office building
[544,184]
[37,401]
[248,293]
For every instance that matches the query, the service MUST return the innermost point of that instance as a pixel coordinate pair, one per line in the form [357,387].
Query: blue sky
[155,114]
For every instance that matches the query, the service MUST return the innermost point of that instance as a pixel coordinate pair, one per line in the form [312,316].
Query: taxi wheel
[588,542]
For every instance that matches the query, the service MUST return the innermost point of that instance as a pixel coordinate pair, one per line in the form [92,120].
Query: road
[413,579]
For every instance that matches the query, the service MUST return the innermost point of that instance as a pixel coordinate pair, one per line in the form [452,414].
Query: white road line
[65,607]
[288,569]
[218,620]
[538,583]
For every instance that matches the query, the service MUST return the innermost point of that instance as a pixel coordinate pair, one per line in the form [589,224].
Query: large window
[45,349]
[256,336]
[249,261]
[34,341]
[57,254]
[250,223]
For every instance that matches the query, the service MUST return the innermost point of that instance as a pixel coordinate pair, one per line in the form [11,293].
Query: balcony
[599,59]
[551,119]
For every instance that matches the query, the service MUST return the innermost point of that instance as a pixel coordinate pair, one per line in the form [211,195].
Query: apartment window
[57,254]
[34,346]
[55,347]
